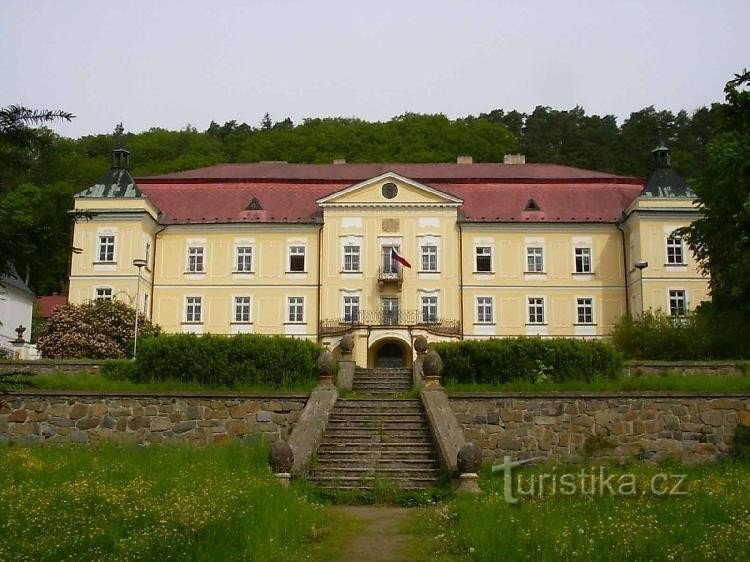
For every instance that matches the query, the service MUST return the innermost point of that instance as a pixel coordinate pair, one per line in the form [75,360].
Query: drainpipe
[153,274]
[320,265]
[625,268]
[461,278]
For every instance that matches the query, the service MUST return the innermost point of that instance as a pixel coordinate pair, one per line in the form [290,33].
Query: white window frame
[192,266]
[352,258]
[428,304]
[296,250]
[532,311]
[106,248]
[193,310]
[479,252]
[581,305]
[242,309]
[671,297]
[99,294]
[351,308]
[429,257]
[535,258]
[147,251]
[145,304]
[675,248]
[295,310]
[482,303]
[584,254]
[241,255]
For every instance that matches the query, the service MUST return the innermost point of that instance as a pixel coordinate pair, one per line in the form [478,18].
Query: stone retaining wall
[568,428]
[47,366]
[79,417]
[635,368]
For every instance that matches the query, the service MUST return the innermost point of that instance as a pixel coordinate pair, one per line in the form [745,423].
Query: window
[536,310]
[675,254]
[351,258]
[429,309]
[296,307]
[677,302]
[195,259]
[193,309]
[297,258]
[484,310]
[583,260]
[351,309]
[585,311]
[484,258]
[145,304]
[534,260]
[242,310]
[148,254]
[390,266]
[390,311]
[107,248]
[244,259]
[429,258]
[104,293]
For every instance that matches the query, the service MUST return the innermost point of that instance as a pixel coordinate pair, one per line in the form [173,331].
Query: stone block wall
[569,428]
[155,419]
[48,366]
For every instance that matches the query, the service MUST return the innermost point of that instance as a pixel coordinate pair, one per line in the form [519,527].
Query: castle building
[387,252]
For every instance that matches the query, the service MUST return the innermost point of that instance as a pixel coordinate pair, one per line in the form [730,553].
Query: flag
[399,258]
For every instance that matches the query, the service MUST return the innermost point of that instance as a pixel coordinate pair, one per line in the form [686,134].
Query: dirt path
[382,538]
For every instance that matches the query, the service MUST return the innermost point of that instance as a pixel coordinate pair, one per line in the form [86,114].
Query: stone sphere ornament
[469,459]
[281,457]
[347,343]
[432,366]
[326,364]
[420,344]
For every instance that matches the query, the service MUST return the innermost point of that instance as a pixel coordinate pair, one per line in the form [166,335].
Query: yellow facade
[320,279]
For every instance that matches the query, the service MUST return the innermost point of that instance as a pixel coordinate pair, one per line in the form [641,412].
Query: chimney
[514,159]
[339,160]
[464,160]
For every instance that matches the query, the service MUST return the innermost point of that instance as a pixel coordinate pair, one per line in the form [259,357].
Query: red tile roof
[47,304]
[491,192]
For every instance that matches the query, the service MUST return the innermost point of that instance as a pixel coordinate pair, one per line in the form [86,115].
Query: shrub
[248,359]
[702,335]
[95,330]
[498,361]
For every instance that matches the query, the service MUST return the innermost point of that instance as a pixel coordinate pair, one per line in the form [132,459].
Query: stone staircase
[377,438]
[382,382]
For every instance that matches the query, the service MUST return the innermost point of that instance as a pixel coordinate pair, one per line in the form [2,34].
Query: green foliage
[499,361]
[702,335]
[250,359]
[741,448]
[99,329]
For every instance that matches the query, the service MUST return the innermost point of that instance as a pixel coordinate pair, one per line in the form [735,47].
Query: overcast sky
[166,64]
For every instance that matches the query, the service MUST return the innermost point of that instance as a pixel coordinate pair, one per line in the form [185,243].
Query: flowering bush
[95,330]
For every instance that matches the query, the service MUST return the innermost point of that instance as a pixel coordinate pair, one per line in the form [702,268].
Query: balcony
[381,318]
[392,274]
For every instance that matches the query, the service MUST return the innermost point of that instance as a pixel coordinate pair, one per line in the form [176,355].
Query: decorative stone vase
[281,457]
[347,344]
[469,459]
[432,366]
[420,345]
[326,367]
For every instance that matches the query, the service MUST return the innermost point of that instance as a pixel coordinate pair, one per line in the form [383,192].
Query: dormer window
[532,205]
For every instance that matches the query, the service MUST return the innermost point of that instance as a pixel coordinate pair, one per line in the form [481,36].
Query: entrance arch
[389,353]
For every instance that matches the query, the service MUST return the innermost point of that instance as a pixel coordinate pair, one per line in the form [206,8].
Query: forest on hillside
[40,173]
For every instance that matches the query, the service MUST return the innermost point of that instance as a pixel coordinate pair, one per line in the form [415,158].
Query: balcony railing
[404,318]
[392,274]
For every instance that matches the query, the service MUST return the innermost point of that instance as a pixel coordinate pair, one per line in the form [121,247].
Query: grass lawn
[710,522]
[83,381]
[161,503]
[677,383]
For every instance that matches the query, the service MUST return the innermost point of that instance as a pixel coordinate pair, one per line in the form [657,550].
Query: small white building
[16,305]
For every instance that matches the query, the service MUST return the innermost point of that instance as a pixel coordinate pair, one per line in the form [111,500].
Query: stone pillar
[420,346]
[432,366]
[347,365]
[20,346]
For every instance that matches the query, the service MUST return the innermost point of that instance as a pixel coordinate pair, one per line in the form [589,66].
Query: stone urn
[281,459]
[420,345]
[432,367]
[469,461]
[347,344]
[326,367]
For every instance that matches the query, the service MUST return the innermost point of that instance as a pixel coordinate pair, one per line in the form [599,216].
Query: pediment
[389,189]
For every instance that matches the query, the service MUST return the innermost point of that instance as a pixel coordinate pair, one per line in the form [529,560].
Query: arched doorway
[389,354]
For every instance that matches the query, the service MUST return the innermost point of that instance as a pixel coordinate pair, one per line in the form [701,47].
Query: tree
[95,330]
[721,238]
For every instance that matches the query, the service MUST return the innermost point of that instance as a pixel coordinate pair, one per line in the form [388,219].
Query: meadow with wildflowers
[162,503]
[710,521]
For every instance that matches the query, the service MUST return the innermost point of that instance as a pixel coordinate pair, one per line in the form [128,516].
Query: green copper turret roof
[117,182]
[664,181]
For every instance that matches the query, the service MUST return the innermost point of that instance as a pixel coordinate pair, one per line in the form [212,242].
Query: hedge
[498,361]
[247,359]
